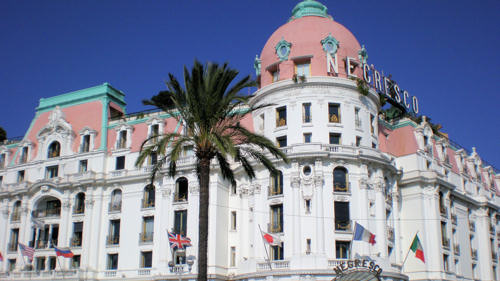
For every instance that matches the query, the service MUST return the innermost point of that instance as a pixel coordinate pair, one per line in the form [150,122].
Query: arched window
[340,180]
[181,189]
[148,200]
[16,212]
[54,150]
[79,207]
[276,184]
[116,200]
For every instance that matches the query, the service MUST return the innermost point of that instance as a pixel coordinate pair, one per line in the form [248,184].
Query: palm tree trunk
[204,180]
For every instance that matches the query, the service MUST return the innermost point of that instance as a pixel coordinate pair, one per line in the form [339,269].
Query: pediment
[57,125]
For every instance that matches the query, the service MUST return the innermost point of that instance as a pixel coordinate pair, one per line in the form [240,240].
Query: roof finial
[309,8]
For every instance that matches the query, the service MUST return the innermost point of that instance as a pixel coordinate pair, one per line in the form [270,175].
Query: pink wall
[398,142]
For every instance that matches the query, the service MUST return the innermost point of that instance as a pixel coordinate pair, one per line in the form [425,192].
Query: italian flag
[416,247]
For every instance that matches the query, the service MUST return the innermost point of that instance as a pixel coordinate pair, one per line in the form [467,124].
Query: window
[76,240]
[233,189]
[233,257]
[307,137]
[85,143]
[446,242]
[16,212]
[340,180]
[281,141]
[334,113]
[155,132]
[14,239]
[357,118]
[148,200]
[75,261]
[233,220]
[374,145]
[277,252]
[303,69]
[342,249]
[308,246]
[372,124]
[122,139]
[262,122]
[52,263]
[276,183]
[358,141]
[116,200]
[276,224]
[79,207]
[335,138]
[24,155]
[112,262]
[308,205]
[148,224]
[342,218]
[40,263]
[181,190]
[120,163]
[1,180]
[153,158]
[51,172]
[82,166]
[2,160]
[12,265]
[276,75]
[180,222]
[281,116]
[146,259]
[20,176]
[306,113]
[446,266]
[114,232]
[54,150]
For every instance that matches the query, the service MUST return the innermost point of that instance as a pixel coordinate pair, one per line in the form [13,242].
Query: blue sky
[444,52]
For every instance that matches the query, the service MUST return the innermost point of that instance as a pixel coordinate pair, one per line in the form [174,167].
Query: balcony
[43,213]
[472,226]
[456,249]
[274,264]
[147,204]
[76,241]
[474,254]
[78,210]
[41,244]
[12,247]
[274,191]
[341,187]
[343,225]
[16,216]
[275,228]
[180,197]
[146,237]
[446,243]
[112,240]
[454,219]
[390,233]
[115,207]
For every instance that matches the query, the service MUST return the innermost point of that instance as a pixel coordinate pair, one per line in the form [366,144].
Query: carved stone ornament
[66,205]
[44,188]
[363,183]
[318,181]
[57,125]
[295,182]
[194,189]
[166,192]
[430,192]
[243,189]
[256,188]
[89,203]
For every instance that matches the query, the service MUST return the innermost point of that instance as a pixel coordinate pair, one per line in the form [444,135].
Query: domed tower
[308,72]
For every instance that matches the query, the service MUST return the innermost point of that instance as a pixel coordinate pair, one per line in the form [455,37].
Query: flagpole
[60,266]
[407,253]
[265,248]
[352,242]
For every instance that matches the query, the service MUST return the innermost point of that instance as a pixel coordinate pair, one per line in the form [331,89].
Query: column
[484,245]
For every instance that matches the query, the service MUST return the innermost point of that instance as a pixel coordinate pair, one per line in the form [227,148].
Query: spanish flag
[416,247]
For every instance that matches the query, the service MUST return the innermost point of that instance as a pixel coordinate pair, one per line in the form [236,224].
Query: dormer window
[154,131]
[87,136]
[24,155]
[122,139]
[2,160]
[276,75]
[85,143]
[54,150]
[123,136]
[303,69]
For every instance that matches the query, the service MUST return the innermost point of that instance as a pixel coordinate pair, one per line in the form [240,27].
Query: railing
[180,196]
[336,262]
[56,212]
[110,273]
[341,225]
[12,247]
[79,209]
[472,226]
[274,264]
[456,249]
[76,241]
[274,191]
[341,187]
[115,207]
[16,216]
[113,240]
[41,244]
[144,272]
[146,237]
[147,203]
[454,219]
[474,254]
[275,228]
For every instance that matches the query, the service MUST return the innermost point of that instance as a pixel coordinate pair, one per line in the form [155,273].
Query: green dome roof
[309,8]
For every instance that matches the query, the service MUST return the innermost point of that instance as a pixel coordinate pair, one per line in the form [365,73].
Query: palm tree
[210,108]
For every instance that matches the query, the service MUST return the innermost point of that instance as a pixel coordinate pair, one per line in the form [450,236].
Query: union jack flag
[178,241]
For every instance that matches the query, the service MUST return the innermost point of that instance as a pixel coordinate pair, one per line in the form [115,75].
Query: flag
[416,247]
[38,223]
[26,251]
[178,241]
[64,252]
[270,239]
[1,257]
[361,234]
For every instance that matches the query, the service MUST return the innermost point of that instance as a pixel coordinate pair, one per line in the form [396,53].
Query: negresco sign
[362,268]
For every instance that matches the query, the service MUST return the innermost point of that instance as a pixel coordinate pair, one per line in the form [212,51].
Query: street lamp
[179,268]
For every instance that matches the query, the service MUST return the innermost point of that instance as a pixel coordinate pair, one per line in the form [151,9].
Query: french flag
[361,234]
[64,252]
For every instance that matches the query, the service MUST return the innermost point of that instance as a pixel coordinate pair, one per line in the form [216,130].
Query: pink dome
[305,35]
